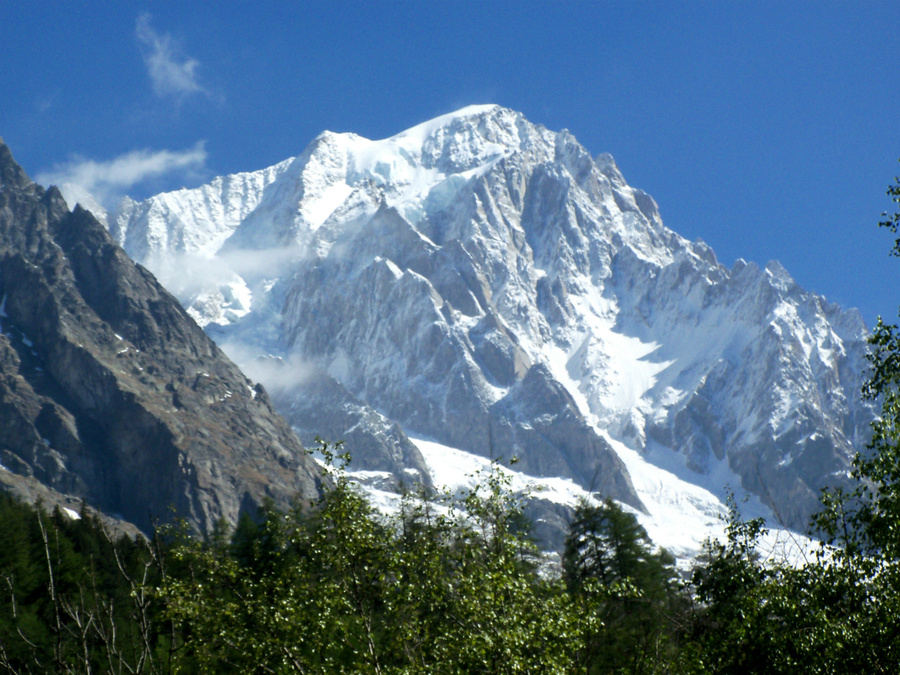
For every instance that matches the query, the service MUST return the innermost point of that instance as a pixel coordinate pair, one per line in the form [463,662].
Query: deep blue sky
[768,129]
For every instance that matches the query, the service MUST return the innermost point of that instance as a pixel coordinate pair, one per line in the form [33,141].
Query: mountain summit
[485,283]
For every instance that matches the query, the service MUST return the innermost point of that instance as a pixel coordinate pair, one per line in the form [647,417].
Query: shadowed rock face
[322,404]
[111,393]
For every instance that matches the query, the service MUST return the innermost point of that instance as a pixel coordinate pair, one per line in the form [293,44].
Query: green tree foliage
[627,593]
[292,592]
[446,587]
[760,616]
[892,220]
[73,599]
[501,616]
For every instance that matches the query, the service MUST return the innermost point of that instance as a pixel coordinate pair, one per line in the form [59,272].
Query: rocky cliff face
[484,282]
[110,392]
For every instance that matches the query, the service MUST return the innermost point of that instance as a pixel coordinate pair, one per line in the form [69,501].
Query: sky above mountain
[768,129]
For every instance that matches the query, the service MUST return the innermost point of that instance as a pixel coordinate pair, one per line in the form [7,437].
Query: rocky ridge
[110,393]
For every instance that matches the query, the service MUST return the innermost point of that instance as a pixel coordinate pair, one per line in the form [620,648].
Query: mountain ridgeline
[110,393]
[483,282]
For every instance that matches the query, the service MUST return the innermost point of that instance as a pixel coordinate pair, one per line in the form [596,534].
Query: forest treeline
[445,586]
[456,585]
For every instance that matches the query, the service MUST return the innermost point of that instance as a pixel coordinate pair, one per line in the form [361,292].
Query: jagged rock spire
[11,174]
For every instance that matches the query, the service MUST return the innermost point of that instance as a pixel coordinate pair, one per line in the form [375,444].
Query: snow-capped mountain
[483,282]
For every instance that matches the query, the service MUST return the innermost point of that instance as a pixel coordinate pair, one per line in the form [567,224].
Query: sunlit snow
[681,515]
[645,326]
[73,515]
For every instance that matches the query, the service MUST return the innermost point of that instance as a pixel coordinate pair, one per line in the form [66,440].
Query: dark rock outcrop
[110,392]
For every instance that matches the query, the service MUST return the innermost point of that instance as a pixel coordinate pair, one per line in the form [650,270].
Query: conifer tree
[627,592]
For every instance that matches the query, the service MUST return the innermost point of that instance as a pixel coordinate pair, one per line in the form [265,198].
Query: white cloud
[108,180]
[171,72]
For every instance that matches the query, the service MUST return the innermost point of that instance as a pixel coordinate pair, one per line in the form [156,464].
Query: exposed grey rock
[111,393]
[319,407]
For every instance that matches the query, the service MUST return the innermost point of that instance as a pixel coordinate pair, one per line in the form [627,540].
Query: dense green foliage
[73,599]
[455,585]
[627,594]
[446,586]
[336,589]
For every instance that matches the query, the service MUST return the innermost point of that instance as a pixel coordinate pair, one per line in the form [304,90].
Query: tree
[500,616]
[627,592]
[441,588]
[74,600]
[300,591]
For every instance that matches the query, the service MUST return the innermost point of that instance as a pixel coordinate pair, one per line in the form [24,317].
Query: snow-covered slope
[484,282]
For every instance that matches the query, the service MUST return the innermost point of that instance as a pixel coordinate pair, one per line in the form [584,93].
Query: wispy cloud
[171,72]
[108,180]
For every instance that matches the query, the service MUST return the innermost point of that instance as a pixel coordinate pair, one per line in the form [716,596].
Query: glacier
[486,284]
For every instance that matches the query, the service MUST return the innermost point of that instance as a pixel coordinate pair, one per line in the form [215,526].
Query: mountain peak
[11,174]
[485,282]
[425,129]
